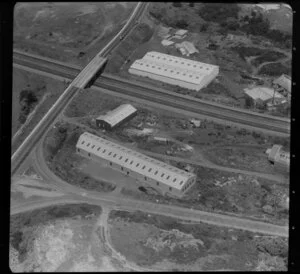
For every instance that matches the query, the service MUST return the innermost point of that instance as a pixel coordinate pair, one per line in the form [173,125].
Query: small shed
[283,82]
[115,117]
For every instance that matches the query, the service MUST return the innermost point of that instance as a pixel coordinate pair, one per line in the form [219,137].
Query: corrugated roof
[180,62]
[181,32]
[117,115]
[284,81]
[138,162]
[161,69]
[262,93]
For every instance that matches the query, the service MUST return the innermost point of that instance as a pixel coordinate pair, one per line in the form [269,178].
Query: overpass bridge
[81,81]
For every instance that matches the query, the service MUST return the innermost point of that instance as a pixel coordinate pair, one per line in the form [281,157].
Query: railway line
[138,90]
[79,80]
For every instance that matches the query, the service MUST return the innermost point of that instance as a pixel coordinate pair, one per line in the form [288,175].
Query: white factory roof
[133,160]
[175,61]
[161,69]
[284,81]
[181,32]
[117,115]
[262,93]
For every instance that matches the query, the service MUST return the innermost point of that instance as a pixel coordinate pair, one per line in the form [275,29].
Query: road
[80,81]
[275,178]
[135,90]
[74,194]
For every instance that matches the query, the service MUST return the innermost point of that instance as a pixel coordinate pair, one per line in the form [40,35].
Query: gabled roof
[262,93]
[284,81]
[117,115]
[138,162]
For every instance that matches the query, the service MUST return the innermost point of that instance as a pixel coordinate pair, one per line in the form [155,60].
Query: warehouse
[114,118]
[159,175]
[175,70]
[278,157]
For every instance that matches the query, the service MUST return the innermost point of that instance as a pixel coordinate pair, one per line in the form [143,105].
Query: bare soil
[165,243]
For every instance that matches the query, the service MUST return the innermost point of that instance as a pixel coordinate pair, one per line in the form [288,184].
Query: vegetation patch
[60,153]
[24,226]
[149,239]
[274,69]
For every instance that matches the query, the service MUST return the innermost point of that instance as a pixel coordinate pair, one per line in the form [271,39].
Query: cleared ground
[63,30]
[56,238]
[165,243]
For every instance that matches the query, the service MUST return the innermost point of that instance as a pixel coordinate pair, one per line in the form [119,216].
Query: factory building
[159,175]
[114,118]
[174,70]
[278,157]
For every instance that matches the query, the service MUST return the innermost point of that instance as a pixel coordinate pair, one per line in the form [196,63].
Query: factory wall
[159,186]
[205,81]
[107,126]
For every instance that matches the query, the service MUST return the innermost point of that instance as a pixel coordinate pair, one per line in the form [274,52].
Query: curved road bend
[24,149]
[123,203]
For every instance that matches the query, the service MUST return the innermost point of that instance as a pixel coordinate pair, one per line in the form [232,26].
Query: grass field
[165,243]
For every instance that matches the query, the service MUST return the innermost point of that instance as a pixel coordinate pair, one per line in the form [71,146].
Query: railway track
[79,80]
[172,99]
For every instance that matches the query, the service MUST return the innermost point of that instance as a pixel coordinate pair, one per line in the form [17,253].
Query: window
[156,172]
[145,178]
[78,150]
[181,182]
[89,154]
[143,167]
[122,168]
[131,162]
[93,146]
[170,188]
[126,160]
[120,157]
[98,148]
[104,150]
[168,177]
[162,175]
[115,155]
[82,142]
[110,153]
[110,163]
[157,183]
[149,169]
[137,164]
[88,144]
[174,180]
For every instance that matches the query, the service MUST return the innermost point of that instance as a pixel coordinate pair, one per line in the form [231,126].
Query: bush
[219,12]
[274,69]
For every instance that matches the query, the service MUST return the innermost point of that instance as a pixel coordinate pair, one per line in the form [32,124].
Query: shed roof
[284,81]
[117,115]
[181,32]
[134,160]
[262,93]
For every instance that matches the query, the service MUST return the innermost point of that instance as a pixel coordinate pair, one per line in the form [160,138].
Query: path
[276,178]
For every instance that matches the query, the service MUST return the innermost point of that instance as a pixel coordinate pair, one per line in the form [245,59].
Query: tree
[177,4]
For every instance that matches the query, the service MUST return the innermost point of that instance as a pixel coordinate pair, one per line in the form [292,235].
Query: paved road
[75,194]
[80,81]
[166,210]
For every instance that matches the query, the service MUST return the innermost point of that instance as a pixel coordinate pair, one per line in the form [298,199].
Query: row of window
[167,176]
[187,185]
[159,68]
[134,153]
[176,61]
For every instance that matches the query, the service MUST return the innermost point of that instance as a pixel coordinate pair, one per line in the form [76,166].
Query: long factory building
[175,70]
[164,178]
